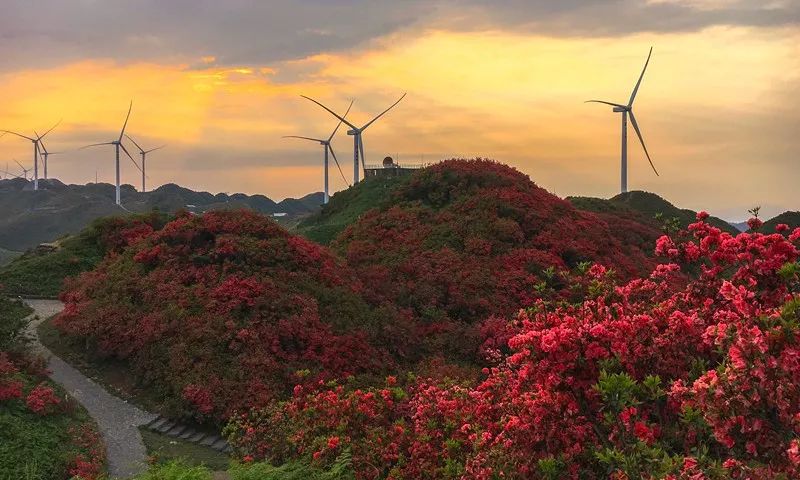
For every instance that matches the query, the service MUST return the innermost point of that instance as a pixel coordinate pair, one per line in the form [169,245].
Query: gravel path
[117,419]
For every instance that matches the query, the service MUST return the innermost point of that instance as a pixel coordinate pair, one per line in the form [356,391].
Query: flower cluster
[42,400]
[691,372]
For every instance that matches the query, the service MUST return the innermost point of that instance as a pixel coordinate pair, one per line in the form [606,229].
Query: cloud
[245,32]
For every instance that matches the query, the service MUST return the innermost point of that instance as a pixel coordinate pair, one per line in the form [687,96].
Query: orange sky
[717,107]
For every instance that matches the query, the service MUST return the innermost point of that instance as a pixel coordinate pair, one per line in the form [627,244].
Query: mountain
[789,218]
[648,205]
[28,218]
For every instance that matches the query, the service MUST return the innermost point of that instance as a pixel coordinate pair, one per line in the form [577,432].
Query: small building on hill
[390,169]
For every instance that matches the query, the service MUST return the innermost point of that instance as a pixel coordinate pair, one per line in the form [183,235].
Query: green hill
[648,205]
[346,206]
[41,271]
[789,218]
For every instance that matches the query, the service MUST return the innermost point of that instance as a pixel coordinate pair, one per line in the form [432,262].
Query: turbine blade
[304,138]
[636,88]
[96,144]
[332,112]
[39,137]
[154,149]
[122,132]
[129,156]
[383,112]
[134,142]
[336,160]
[17,134]
[41,144]
[639,134]
[20,165]
[607,103]
[340,122]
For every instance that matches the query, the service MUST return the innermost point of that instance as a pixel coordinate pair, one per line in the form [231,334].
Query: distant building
[390,169]
[279,214]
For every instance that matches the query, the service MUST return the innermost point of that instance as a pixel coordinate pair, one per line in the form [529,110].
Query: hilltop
[789,218]
[647,205]
[28,218]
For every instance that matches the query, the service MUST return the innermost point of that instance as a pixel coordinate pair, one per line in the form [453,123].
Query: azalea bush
[464,240]
[219,311]
[690,372]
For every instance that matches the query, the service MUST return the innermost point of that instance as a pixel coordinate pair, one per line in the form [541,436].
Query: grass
[166,449]
[346,206]
[114,375]
[43,274]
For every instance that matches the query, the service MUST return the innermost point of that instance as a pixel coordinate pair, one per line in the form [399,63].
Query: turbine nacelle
[621,109]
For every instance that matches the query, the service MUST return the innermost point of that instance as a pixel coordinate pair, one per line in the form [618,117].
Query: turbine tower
[44,154]
[358,143]
[36,141]
[627,110]
[117,145]
[326,146]
[143,153]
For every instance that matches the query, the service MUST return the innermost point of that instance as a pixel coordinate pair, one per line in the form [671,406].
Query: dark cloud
[236,32]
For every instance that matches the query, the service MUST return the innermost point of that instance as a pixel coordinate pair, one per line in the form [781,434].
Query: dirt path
[117,420]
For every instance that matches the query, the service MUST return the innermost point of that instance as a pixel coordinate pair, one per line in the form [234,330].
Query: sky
[220,82]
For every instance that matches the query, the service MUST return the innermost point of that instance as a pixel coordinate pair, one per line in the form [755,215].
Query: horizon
[506,83]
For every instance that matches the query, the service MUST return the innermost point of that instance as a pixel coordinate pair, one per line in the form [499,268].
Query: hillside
[219,311]
[41,271]
[789,218]
[28,218]
[7,255]
[647,205]
[464,240]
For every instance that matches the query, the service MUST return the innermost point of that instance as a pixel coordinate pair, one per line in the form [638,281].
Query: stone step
[210,440]
[197,437]
[188,433]
[157,422]
[165,427]
[176,430]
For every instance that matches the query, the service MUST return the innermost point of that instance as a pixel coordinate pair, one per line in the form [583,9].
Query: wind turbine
[143,153]
[117,145]
[24,170]
[628,110]
[326,146]
[36,142]
[44,154]
[358,144]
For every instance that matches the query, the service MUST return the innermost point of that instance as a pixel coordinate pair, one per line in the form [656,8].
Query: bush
[220,311]
[690,372]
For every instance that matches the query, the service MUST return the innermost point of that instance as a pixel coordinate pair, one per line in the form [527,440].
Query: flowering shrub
[42,400]
[218,311]
[468,239]
[88,462]
[691,372]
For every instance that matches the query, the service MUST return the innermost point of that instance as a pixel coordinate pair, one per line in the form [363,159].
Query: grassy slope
[165,449]
[789,218]
[36,273]
[346,206]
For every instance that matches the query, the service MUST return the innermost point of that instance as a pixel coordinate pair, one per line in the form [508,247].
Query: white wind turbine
[44,154]
[628,110]
[144,153]
[358,143]
[24,170]
[326,146]
[117,145]
[36,141]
